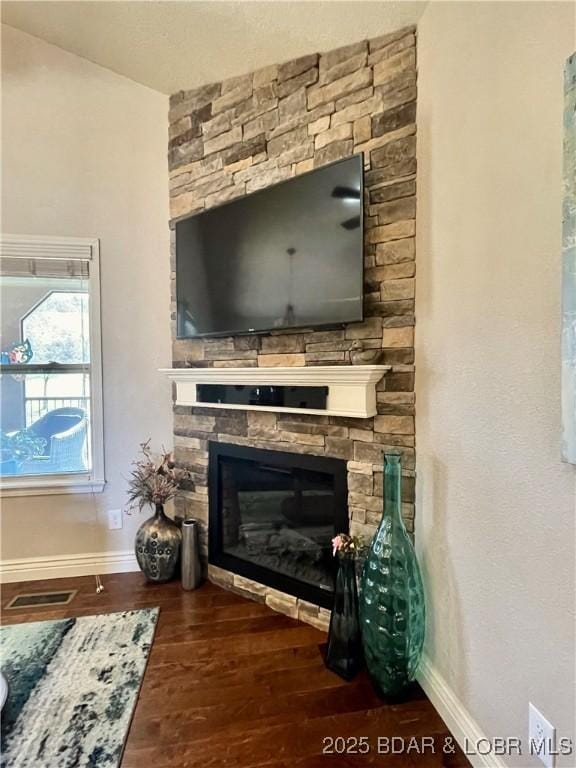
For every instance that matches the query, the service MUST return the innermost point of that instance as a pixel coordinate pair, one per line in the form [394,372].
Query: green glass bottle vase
[392,610]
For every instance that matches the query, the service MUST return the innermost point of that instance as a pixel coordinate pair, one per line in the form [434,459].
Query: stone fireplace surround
[231,138]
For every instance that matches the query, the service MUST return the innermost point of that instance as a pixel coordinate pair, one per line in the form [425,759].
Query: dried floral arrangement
[343,544]
[154,481]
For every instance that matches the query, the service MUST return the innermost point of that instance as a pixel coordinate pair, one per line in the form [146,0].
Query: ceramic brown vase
[158,547]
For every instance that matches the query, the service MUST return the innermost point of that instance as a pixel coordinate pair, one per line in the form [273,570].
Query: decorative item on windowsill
[392,610]
[158,539]
[19,353]
[344,651]
[361,356]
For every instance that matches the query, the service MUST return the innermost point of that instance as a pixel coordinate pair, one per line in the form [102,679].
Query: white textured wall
[496,507]
[84,155]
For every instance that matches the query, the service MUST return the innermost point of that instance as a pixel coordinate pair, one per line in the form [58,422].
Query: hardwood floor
[231,684]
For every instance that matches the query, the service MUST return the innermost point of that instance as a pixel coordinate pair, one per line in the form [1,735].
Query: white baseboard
[89,564]
[463,727]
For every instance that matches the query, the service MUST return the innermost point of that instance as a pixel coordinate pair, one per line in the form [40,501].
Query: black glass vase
[344,651]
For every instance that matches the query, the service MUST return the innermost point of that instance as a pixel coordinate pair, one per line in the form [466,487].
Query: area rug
[72,688]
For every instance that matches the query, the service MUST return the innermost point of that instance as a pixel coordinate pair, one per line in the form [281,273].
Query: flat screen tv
[288,256]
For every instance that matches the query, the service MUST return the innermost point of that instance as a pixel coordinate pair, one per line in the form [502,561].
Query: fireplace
[272,516]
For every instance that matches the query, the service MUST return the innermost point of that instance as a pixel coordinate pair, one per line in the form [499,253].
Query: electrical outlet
[542,737]
[114,519]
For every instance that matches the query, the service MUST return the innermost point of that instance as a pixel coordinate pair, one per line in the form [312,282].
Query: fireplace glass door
[276,517]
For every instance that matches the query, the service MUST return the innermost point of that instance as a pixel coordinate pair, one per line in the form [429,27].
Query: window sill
[49,486]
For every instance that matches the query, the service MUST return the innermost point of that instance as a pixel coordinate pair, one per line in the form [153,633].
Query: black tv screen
[287,256]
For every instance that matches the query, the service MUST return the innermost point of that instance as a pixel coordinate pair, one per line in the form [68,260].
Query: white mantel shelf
[351,388]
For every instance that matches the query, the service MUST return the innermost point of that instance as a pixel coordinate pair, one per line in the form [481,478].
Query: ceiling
[170,46]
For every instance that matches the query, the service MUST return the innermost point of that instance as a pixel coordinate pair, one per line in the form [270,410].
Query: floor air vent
[35,599]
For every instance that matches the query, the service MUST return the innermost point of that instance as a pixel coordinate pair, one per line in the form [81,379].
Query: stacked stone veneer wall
[231,138]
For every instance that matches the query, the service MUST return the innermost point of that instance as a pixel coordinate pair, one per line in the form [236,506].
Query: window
[51,437]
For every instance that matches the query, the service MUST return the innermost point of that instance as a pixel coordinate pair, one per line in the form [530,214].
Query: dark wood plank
[231,684]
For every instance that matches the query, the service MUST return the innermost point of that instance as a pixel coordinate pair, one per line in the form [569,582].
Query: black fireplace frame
[216,556]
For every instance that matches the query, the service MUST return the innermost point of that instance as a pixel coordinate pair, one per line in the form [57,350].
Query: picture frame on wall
[569,266]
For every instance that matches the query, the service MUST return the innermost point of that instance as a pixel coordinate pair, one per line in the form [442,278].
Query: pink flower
[336,544]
